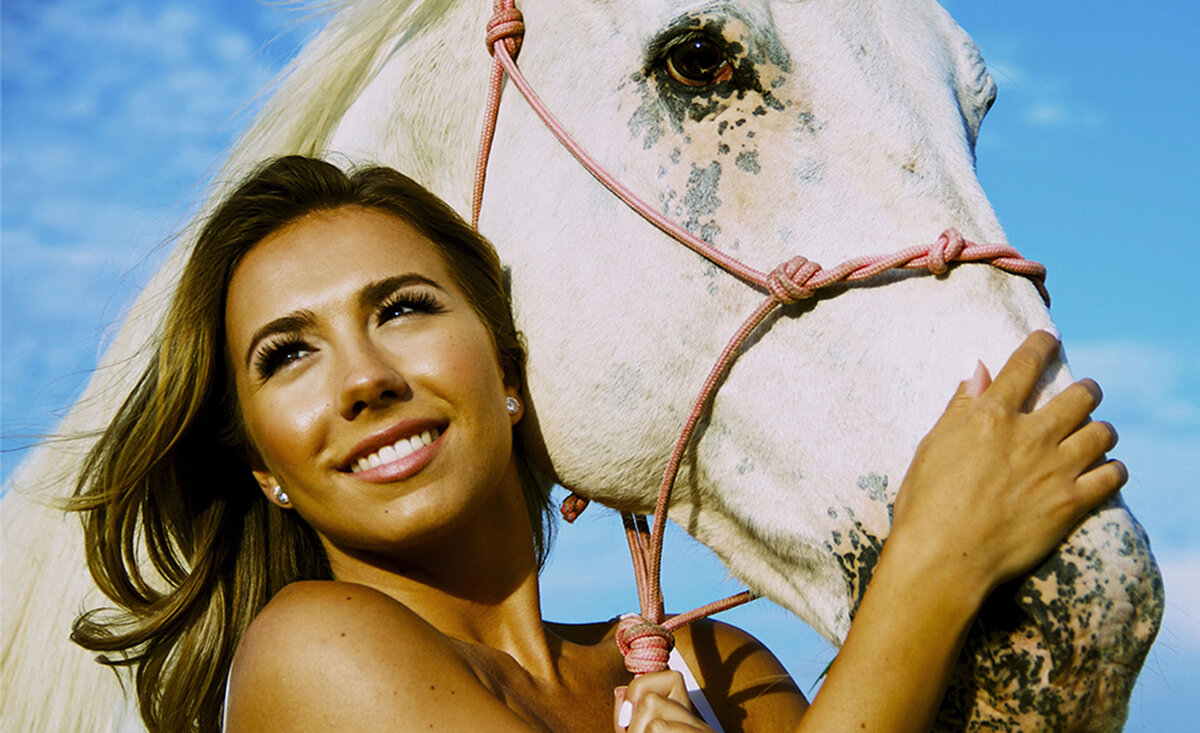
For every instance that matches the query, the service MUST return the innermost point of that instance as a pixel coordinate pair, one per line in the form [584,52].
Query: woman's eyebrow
[379,291]
[369,297]
[291,323]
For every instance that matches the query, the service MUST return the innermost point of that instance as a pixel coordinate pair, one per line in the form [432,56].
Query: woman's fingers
[1068,410]
[655,702]
[1024,368]
[1101,482]
[1087,445]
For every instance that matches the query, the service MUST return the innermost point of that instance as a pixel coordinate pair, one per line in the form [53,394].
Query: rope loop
[946,249]
[507,25]
[645,645]
[789,281]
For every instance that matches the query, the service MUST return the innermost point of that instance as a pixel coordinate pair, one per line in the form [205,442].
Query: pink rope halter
[646,639]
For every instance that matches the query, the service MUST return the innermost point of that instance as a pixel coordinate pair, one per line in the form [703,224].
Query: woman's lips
[395,451]
[399,460]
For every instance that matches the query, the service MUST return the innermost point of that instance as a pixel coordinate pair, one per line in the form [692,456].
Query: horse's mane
[310,96]
[46,682]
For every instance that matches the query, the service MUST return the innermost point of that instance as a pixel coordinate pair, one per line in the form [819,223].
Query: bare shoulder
[325,655]
[745,683]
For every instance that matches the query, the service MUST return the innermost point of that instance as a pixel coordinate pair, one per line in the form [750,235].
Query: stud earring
[512,404]
[281,496]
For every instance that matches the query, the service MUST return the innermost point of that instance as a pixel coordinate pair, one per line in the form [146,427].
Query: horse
[767,129]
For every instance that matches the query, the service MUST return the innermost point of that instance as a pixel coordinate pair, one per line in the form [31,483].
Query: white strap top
[695,694]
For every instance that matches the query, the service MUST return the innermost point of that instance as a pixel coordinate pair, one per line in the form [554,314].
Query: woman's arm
[329,656]
[991,491]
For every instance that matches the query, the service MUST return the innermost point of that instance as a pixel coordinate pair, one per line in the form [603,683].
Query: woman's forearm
[893,668]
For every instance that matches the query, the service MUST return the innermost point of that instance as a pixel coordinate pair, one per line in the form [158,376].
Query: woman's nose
[371,379]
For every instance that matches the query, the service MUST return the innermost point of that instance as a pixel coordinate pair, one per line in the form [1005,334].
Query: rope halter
[646,639]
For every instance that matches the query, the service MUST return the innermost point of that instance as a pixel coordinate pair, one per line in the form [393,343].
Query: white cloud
[1150,386]
[1181,578]
[1038,99]
[1047,114]
[1152,398]
[114,114]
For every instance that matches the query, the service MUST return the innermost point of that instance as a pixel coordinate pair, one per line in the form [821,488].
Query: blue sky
[114,114]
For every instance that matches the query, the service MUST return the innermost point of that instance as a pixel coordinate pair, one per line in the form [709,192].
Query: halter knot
[507,25]
[946,249]
[789,282]
[645,645]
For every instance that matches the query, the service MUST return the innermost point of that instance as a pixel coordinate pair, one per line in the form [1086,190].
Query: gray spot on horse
[647,121]
[875,486]
[748,161]
[809,170]
[701,196]
[857,553]
[808,123]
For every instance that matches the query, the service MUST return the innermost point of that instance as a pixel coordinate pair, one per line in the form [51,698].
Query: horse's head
[771,129]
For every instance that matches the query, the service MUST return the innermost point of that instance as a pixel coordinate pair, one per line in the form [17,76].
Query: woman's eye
[275,356]
[697,61]
[406,304]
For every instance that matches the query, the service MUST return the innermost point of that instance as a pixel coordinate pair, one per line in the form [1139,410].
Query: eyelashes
[284,349]
[408,302]
[278,352]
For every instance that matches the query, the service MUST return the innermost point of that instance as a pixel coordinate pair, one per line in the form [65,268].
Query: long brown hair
[177,533]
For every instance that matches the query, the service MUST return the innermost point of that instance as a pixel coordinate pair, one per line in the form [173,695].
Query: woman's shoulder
[341,656]
[743,680]
[318,606]
[311,624]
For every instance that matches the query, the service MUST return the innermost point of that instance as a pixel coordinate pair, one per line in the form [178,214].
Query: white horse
[769,128]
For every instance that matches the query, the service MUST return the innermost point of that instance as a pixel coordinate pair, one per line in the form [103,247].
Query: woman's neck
[476,584]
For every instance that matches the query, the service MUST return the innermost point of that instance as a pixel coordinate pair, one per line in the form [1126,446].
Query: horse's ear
[973,84]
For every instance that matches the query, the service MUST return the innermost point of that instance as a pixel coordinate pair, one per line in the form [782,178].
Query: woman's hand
[994,488]
[655,702]
[991,491]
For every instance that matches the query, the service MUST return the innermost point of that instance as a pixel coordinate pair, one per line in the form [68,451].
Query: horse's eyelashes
[697,60]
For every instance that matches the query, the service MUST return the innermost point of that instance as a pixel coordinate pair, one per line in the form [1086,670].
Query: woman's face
[369,388]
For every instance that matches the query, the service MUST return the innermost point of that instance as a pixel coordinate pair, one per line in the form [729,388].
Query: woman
[341,532]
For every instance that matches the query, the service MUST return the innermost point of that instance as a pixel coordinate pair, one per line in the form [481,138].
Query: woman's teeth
[396,451]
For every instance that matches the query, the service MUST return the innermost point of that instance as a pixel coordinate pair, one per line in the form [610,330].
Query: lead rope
[646,639]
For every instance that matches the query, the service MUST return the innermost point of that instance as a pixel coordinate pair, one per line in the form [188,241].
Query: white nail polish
[625,714]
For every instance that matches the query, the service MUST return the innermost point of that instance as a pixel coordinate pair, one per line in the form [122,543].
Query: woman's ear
[268,483]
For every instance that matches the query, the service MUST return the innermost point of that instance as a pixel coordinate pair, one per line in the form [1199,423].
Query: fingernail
[977,384]
[625,714]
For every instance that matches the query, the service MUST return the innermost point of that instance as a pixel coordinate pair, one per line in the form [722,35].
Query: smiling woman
[177,458]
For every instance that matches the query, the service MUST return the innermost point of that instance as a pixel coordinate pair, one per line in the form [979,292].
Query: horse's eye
[697,61]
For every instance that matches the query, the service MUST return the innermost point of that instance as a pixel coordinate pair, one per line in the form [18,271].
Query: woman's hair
[177,532]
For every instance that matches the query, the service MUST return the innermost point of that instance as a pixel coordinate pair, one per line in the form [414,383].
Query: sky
[114,114]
